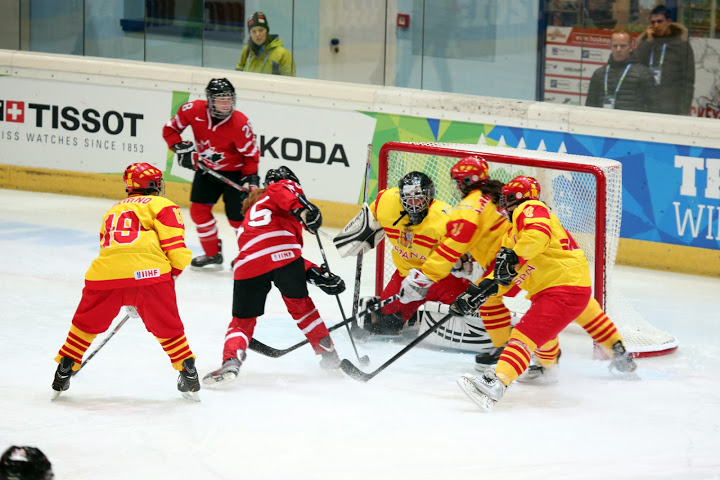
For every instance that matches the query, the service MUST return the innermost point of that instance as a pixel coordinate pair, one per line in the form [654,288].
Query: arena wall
[71,124]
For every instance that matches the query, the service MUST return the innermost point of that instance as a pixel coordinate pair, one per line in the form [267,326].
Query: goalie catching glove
[505,263]
[468,302]
[360,235]
[184,151]
[414,287]
[328,282]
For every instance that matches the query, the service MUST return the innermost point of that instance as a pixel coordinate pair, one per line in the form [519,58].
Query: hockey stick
[268,351]
[364,360]
[221,177]
[131,313]
[354,372]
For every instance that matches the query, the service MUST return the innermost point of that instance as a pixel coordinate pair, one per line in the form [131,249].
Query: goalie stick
[354,372]
[359,262]
[259,347]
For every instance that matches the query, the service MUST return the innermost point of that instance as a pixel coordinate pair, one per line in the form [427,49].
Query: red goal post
[584,192]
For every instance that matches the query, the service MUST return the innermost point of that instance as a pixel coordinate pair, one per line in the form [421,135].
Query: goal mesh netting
[584,192]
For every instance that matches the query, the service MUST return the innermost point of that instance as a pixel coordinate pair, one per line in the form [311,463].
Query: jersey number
[260,217]
[123,228]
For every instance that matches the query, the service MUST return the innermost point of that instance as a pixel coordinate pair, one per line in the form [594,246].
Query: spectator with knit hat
[264,53]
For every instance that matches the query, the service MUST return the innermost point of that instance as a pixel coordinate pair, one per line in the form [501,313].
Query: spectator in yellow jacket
[264,53]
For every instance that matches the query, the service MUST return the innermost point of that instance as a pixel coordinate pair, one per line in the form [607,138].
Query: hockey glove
[250,182]
[184,151]
[505,262]
[474,296]
[463,267]
[328,282]
[414,287]
[310,216]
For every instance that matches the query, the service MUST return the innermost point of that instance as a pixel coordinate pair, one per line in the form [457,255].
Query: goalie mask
[26,463]
[220,97]
[518,190]
[143,179]
[281,173]
[469,174]
[417,192]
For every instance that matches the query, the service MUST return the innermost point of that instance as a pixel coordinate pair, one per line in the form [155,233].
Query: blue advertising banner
[671,193]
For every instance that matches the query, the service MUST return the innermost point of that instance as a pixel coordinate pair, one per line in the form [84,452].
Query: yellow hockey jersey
[475,226]
[411,244]
[548,254]
[142,241]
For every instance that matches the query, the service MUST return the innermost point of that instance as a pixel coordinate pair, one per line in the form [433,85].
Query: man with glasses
[665,49]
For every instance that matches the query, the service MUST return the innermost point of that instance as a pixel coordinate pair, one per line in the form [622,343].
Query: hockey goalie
[414,223]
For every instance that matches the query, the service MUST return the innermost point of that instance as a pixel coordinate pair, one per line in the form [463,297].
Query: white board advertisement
[80,127]
[102,129]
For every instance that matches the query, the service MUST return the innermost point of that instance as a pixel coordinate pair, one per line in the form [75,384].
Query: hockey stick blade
[354,372]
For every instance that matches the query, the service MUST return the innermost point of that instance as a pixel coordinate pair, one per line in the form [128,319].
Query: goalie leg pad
[363,233]
[461,333]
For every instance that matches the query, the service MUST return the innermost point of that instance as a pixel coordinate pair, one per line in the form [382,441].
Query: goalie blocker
[363,233]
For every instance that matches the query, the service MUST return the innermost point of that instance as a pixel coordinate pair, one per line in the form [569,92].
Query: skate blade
[482,367]
[629,376]
[480,399]
[192,396]
[211,380]
[217,267]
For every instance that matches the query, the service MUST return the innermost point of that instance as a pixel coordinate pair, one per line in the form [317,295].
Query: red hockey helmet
[519,190]
[470,173]
[143,179]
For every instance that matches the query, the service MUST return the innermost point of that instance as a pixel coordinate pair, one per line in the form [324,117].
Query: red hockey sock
[238,336]
[201,214]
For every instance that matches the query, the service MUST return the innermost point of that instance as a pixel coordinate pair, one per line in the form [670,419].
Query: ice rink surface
[285,418]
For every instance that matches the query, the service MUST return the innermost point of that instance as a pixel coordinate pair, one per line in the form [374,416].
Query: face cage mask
[214,111]
[415,203]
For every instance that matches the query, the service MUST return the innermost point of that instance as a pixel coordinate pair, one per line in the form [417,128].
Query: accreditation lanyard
[657,71]
[622,77]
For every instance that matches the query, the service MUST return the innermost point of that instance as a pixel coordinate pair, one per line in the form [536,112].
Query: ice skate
[210,264]
[227,372]
[539,374]
[485,391]
[622,364]
[61,382]
[187,382]
[330,359]
[488,359]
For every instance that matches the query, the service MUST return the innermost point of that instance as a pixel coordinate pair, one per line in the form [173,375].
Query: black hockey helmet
[417,192]
[25,463]
[219,88]
[281,173]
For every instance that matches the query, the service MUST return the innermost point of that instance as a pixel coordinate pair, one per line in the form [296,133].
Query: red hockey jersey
[228,145]
[270,236]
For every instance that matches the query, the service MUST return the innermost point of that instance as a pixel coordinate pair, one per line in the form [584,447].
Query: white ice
[284,418]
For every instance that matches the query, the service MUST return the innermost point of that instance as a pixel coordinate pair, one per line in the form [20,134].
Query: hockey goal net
[584,192]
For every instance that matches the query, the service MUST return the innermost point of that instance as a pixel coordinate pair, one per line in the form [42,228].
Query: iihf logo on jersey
[12,111]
